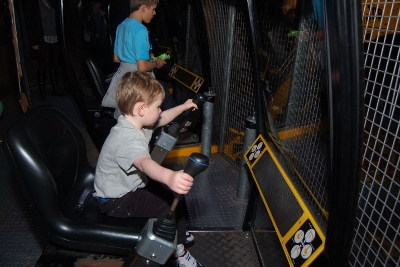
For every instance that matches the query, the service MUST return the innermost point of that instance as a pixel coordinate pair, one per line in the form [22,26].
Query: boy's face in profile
[149,13]
[152,111]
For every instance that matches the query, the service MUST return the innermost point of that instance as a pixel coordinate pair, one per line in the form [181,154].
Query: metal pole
[250,132]
[206,129]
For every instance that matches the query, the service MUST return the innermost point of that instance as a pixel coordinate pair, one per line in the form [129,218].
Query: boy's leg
[144,203]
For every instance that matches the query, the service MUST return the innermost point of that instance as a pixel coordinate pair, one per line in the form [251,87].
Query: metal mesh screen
[304,112]
[377,234]
[230,63]
[216,15]
[232,79]
[296,91]
[241,100]
[278,19]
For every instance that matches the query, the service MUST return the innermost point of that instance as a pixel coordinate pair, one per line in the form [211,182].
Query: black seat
[47,154]
[99,80]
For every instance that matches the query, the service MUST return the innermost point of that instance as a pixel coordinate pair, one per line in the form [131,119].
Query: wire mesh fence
[376,240]
[296,91]
[240,100]
[217,17]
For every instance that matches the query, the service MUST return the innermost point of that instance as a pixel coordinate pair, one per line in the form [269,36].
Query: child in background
[124,163]
[132,48]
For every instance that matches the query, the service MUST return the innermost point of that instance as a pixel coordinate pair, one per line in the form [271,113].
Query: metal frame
[345,74]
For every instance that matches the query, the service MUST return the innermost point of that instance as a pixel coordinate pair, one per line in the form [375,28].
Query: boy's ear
[143,8]
[141,108]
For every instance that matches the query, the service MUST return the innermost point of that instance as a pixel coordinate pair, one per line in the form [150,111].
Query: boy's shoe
[189,238]
[187,260]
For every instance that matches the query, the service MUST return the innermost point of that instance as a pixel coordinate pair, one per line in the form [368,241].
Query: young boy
[132,47]
[124,162]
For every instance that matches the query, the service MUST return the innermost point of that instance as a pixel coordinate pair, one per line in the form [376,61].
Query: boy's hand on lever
[177,181]
[168,115]
[190,105]
[180,182]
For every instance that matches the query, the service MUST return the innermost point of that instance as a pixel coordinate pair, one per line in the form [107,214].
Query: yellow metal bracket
[185,77]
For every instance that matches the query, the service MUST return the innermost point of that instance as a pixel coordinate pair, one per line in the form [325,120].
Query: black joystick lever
[166,140]
[196,164]
[157,241]
[165,226]
[188,115]
[199,100]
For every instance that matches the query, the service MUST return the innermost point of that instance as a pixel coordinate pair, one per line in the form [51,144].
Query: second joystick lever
[196,164]
[157,241]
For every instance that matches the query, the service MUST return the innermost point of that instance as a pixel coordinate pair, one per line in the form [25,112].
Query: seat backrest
[47,154]
[97,76]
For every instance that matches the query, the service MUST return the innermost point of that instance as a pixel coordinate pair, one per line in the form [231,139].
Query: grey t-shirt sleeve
[134,148]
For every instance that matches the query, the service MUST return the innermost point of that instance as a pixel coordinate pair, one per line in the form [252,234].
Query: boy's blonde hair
[136,4]
[137,86]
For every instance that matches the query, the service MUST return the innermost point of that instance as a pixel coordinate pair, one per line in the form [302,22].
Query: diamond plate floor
[222,249]
[212,202]
[229,248]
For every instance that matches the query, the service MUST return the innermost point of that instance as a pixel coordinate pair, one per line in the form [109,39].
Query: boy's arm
[116,58]
[177,181]
[168,115]
[145,65]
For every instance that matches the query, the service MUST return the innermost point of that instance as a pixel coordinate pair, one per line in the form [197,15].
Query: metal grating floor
[212,201]
[222,249]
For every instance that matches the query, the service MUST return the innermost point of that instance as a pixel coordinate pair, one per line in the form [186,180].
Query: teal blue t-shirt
[132,41]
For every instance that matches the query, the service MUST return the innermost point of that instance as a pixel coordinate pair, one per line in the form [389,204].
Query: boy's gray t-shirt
[115,173]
